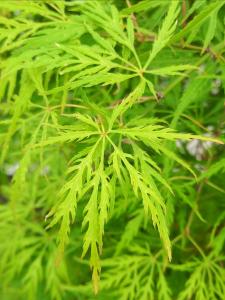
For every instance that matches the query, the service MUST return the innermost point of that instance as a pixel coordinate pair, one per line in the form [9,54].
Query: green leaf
[165,32]
[197,21]
[211,30]
[143,6]
[172,70]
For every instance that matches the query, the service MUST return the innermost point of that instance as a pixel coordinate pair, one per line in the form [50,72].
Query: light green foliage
[112,157]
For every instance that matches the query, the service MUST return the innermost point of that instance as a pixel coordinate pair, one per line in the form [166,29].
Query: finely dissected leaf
[104,190]
[143,5]
[199,19]
[153,204]
[165,32]
[195,88]
[211,30]
[127,102]
[200,283]
[130,31]
[164,291]
[172,70]
[214,169]
[130,232]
